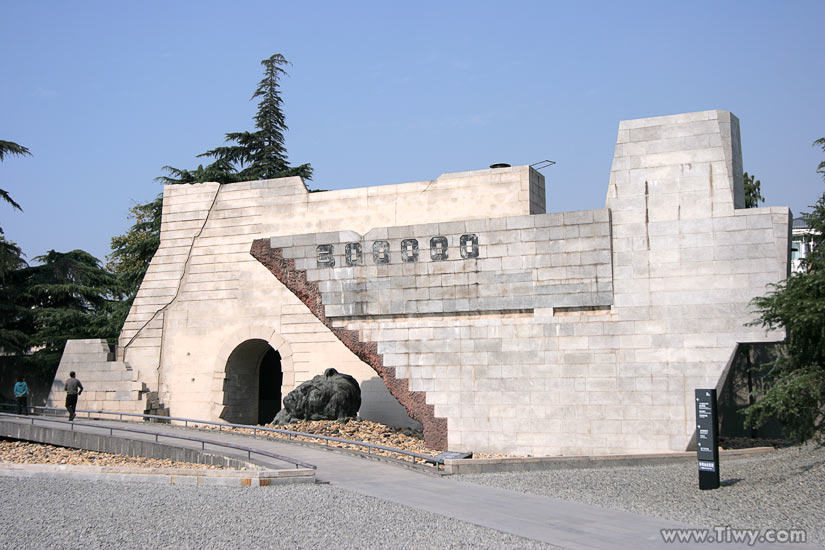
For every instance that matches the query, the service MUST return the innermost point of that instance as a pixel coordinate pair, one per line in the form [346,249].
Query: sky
[105,94]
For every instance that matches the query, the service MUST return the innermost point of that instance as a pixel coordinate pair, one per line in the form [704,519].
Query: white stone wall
[572,333]
[541,362]
[204,294]
[505,264]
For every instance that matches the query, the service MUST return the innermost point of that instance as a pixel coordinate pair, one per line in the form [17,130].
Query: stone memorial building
[458,303]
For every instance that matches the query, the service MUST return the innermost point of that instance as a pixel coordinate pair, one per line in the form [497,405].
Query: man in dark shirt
[73,389]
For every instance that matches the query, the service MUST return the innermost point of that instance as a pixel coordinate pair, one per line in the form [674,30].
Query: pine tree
[796,395]
[15,317]
[10,148]
[69,295]
[821,168]
[13,335]
[253,155]
[132,252]
[753,195]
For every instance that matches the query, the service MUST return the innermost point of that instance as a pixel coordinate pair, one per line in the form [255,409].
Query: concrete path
[559,522]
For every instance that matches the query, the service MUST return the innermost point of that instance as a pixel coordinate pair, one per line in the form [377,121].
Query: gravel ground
[781,490]
[23,452]
[66,514]
[355,429]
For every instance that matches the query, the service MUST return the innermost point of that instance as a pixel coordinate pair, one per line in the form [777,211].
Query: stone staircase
[108,384]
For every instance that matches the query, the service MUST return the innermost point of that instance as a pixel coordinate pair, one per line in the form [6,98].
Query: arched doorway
[270,378]
[252,385]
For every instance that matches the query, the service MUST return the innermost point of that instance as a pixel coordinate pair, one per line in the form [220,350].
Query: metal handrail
[255,429]
[249,451]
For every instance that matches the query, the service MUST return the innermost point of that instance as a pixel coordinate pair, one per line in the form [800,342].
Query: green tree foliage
[67,295]
[13,334]
[132,252]
[260,154]
[10,148]
[9,250]
[11,258]
[15,317]
[796,395]
[821,168]
[753,195]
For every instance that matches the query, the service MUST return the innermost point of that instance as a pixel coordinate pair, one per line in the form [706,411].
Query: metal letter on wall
[409,250]
[469,246]
[352,254]
[381,252]
[325,255]
[438,248]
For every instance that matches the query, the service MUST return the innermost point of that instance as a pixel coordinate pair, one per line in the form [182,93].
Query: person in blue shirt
[21,392]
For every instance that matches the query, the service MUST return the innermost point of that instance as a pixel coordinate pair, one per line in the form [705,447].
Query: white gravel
[69,514]
[781,490]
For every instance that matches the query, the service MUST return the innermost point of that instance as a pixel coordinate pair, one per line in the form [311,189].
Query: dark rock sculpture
[328,396]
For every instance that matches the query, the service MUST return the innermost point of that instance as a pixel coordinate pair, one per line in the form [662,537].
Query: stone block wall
[499,327]
[204,295]
[587,340]
[486,265]
[107,384]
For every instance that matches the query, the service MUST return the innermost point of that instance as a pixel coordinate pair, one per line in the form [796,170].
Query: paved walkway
[559,522]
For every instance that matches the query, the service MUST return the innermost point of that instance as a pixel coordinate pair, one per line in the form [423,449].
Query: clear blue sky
[106,93]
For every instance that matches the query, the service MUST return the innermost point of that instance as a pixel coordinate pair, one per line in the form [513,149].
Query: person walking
[21,392]
[73,389]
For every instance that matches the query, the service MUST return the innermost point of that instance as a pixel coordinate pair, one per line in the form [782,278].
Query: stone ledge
[162,476]
[529,464]
[257,473]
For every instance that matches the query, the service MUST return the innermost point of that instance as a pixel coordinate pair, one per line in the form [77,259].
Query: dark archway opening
[252,385]
[270,378]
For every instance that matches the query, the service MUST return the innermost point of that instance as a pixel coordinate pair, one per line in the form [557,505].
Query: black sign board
[707,439]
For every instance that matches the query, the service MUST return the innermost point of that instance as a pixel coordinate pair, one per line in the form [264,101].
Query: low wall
[119,445]
[532,464]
